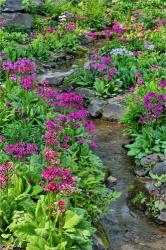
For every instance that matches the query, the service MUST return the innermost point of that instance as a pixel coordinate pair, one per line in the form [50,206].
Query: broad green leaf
[72,219]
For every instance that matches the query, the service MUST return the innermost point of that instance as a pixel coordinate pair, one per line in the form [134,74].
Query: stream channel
[122,228]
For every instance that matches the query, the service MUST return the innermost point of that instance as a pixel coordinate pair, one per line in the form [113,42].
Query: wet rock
[95,107]
[13,6]
[119,99]
[58,56]
[17,5]
[111,181]
[69,57]
[149,160]
[74,66]
[98,243]
[85,92]
[113,112]
[159,169]
[162,157]
[67,87]
[23,20]
[115,109]
[55,78]
[162,216]
[141,172]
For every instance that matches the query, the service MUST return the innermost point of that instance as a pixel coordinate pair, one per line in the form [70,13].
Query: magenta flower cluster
[50,29]
[102,66]
[21,66]
[69,100]
[154,107]
[23,71]
[138,76]
[77,115]
[46,92]
[58,179]
[21,149]
[117,28]
[52,125]
[50,138]
[27,82]
[52,157]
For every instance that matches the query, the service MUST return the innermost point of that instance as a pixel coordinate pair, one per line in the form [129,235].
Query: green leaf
[61,246]
[36,190]
[72,219]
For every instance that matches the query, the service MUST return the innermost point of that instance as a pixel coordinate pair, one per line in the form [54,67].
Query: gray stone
[163,158]
[37,2]
[113,112]
[162,216]
[141,172]
[149,160]
[67,87]
[85,92]
[159,169]
[13,5]
[119,99]
[55,78]
[163,192]
[95,107]
[111,181]
[17,5]
[69,57]
[19,19]
[74,66]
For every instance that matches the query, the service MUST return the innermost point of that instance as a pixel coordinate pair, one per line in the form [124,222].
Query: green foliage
[55,8]
[36,229]
[149,141]
[1,3]
[134,104]
[94,11]
[159,180]
[155,206]
[139,199]
[32,7]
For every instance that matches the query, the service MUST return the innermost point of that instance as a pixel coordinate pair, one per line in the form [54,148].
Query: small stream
[125,229]
[122,229]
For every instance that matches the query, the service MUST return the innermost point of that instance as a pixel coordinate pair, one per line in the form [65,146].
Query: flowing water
[125,229]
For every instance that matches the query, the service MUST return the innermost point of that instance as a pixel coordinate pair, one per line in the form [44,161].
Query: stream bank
[125,229]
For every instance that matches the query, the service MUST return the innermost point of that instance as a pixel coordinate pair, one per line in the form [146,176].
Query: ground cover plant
[114,67]
[146,118]
[51,183]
